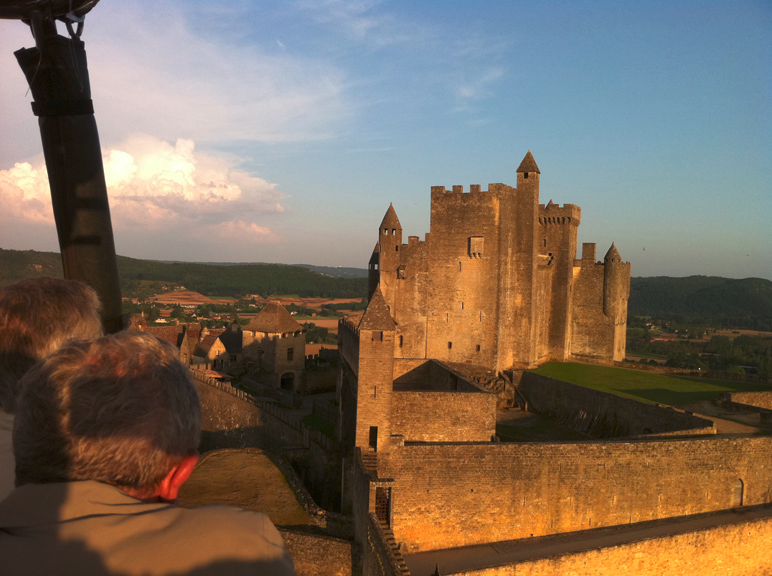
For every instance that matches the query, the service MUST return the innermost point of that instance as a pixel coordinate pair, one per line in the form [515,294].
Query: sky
[280,131]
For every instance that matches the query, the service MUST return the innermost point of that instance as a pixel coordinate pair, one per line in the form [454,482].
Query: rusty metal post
[57,73]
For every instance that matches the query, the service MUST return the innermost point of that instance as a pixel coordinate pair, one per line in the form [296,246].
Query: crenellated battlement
[555,214]
[473,189]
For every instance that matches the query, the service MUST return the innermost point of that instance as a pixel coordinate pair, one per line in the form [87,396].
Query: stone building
[497,283]
[274,347]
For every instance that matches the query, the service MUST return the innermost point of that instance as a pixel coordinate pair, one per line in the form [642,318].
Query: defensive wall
[761,400]
[456,494]
[434,403]
[231,418]
[732,549]
[602,415]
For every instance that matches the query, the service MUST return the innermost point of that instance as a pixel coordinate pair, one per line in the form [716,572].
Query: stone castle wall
[447,495]
[435,416]
[602,415]
[739,549]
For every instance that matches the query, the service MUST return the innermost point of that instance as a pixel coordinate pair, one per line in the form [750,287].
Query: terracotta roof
[528,164]
[169,333]
[390,220]
[273,319]
[377,316]
[203,347]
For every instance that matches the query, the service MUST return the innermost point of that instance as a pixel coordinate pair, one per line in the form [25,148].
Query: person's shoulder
[221,537]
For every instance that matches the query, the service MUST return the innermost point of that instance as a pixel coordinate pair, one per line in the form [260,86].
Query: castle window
[480,315]
[447,317]
[459,266]
[393,232]
[401,272]
[290,354]
[400,340]
[477,348]
[545,242]
[386,231]
[375,391]
[525,175]
[450,345]
[462,305]
[476,246]
[396,248]
[373,440]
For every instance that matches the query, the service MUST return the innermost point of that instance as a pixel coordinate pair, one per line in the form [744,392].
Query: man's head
[37,315]
[120,409]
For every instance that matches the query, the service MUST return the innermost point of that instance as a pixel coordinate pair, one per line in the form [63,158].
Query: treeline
[233,280]
[708,300]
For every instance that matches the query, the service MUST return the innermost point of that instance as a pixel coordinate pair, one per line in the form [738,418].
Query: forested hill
[209,279]
[708,300]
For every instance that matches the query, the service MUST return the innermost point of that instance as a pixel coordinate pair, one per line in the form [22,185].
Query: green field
[644,386]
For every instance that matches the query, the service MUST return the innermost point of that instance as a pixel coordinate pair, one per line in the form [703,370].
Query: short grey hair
[37,315]
[121,409]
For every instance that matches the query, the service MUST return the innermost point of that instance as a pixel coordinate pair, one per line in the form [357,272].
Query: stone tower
[496,282]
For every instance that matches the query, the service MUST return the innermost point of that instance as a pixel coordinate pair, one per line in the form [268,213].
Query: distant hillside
[209,279]
[709,300]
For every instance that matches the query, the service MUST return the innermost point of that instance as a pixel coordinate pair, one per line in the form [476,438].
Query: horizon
[281,132]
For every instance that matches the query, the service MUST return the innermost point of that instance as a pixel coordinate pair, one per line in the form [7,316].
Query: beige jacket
[92,528]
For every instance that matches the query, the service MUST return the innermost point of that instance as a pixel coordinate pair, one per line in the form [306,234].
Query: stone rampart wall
[447,495]
[602,415]
[757,399]
[740,549]
[443,416]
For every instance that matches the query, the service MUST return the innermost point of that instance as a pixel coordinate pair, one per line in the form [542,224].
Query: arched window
[288,381]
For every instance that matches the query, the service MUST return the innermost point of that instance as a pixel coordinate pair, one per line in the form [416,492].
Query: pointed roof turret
[528,164]
[377,248]
[612,254]
[377,316]
[390,220]
[273,319]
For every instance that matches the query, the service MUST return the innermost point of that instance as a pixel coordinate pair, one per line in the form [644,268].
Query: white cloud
[155,75]
[156,186]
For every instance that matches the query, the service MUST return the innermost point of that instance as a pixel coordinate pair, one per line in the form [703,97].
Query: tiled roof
[390,220]
[377,316]
[169,333]
[273,319]
[528,164]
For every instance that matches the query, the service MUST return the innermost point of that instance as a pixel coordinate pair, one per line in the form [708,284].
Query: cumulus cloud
[156,186]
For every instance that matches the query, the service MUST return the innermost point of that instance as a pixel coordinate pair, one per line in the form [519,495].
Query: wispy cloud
[157,76]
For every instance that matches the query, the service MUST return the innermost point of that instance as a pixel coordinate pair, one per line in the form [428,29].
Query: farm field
[645,386]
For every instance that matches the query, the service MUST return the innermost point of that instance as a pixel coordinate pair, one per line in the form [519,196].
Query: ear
[168,488]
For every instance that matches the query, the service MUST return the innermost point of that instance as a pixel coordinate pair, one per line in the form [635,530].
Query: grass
[644,386]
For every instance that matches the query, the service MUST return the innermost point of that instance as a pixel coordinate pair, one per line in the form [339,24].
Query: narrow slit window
[450,345]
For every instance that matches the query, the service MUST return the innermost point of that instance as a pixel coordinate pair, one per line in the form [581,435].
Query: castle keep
[496,282]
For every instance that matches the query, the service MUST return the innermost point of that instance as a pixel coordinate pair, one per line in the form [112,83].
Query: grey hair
[37,315]
[121,409]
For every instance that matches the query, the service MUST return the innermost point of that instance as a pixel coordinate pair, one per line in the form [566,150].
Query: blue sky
[280,131]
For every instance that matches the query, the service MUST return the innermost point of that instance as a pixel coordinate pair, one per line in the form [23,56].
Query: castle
[496,283]
[424,475]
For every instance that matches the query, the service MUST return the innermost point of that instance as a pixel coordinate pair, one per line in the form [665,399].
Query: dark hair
[37,315]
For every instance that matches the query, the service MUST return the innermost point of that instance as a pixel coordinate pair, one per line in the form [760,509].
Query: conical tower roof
[377,316]
[528,164]
[390,220]
[273,319]
[612,254]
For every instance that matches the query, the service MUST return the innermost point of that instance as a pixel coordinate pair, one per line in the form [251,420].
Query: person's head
[37,315]
[120,409]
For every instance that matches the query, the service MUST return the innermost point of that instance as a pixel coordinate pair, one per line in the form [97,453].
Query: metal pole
[57,73]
